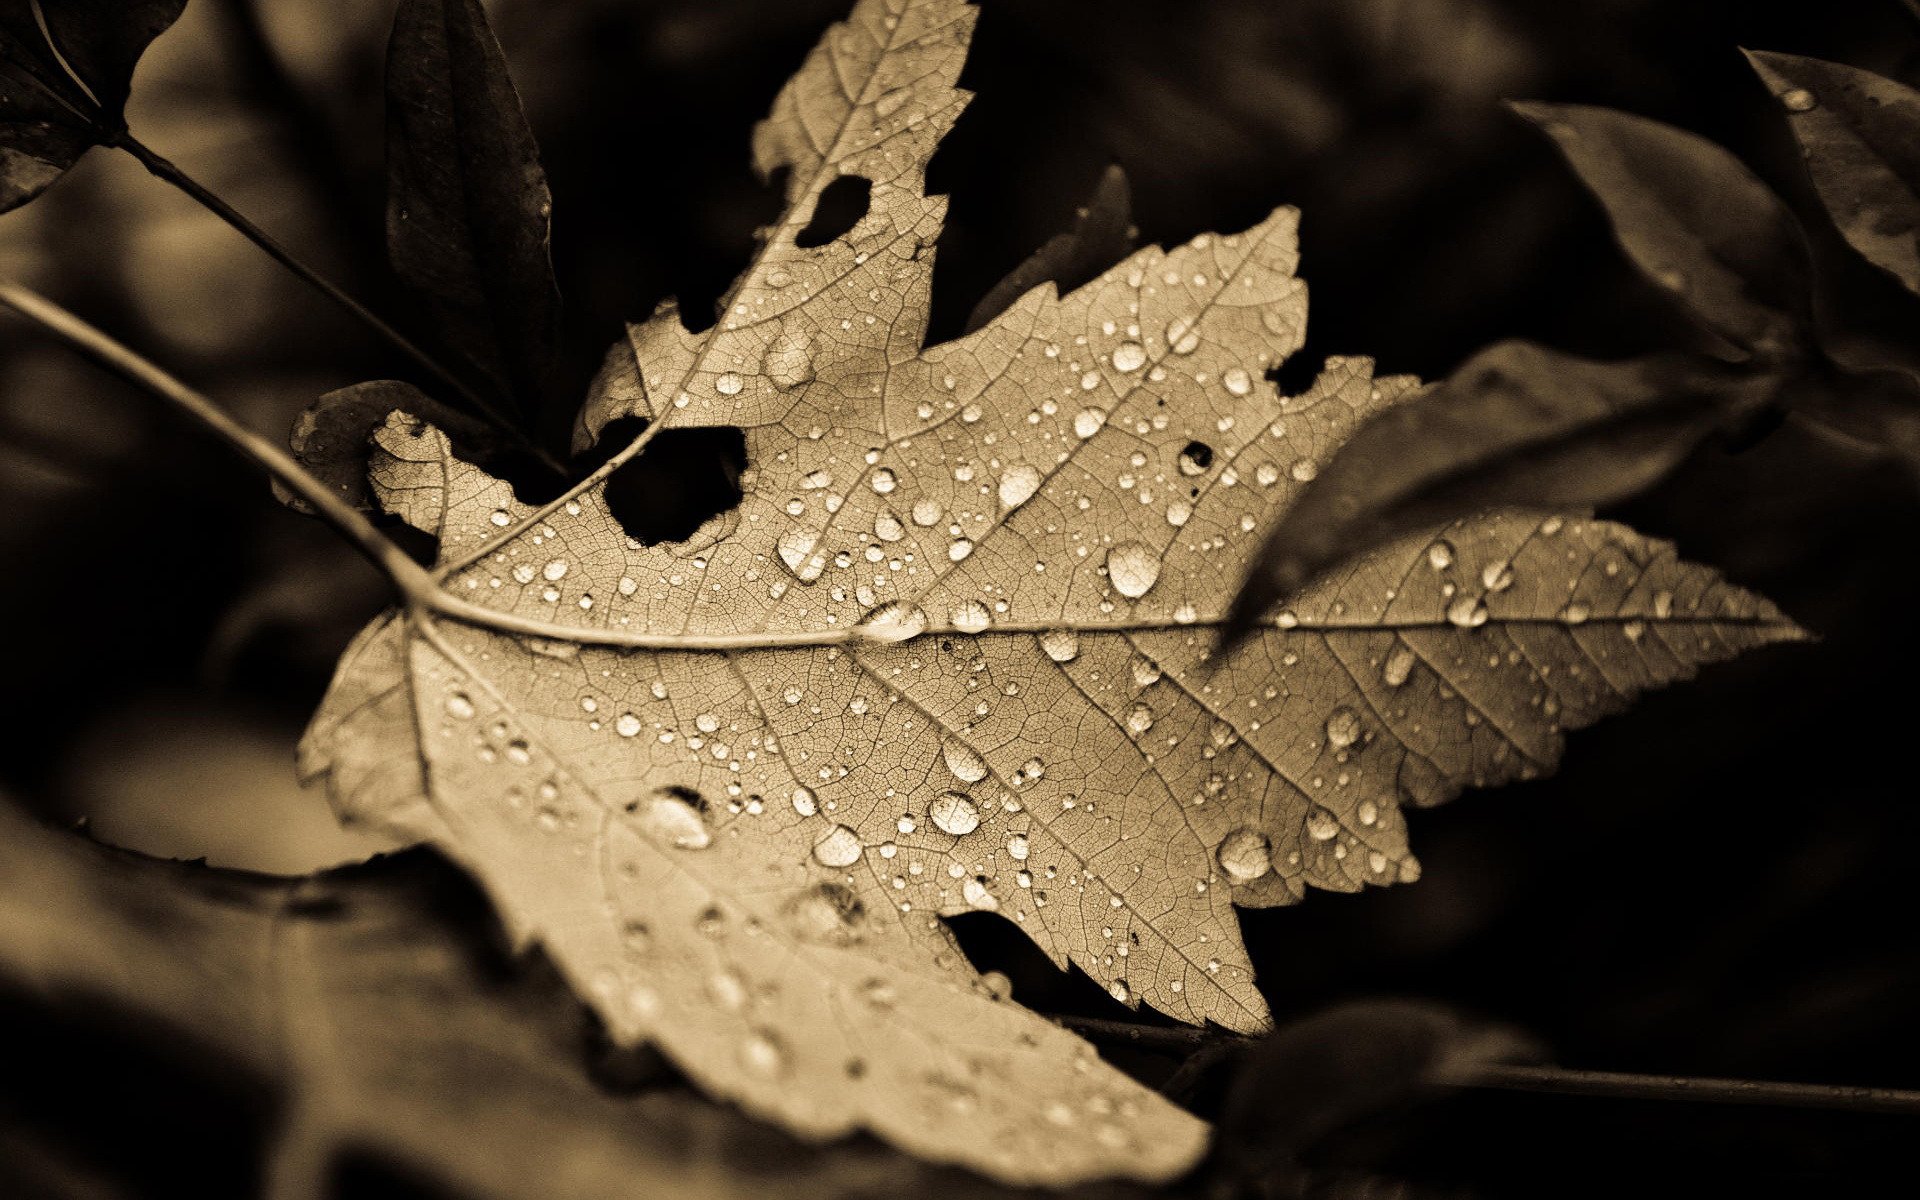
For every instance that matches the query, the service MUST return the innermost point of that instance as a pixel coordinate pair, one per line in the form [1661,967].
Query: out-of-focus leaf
[467,200]
[331,436]
[1694,220]
[1879,407]
[1326,1071]
[1518,425]
[1861,137]
[375,1001]
[60,98]
[1102,235]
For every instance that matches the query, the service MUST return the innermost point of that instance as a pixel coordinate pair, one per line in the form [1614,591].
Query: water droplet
[796,552]
[1060,645]
[839,848]
[1118,990]
[964,761]
[1181,337]
[970,616]
[805,802]
[763,1054]
[555,570]
[1663,605]
[627,725]
[1140,718]
[1575,613]
[1369,813]
[1017,848]
[460,706]
[1129,356]
[926,513]
[894,622]
[1343,728]
[1245,855]
[1179,513]
[1322,825]
[1133,568]
[1018,485]
[1237,380]
[728,384]
[1303,470]
[1088,421]
[883,481]
[959,549]
[1798,100]
[1467,611]
[954,813]
[1440,555]
[1399,665]
[826,912]
[977,896]
[501,518]
[789,361]
[1497,576]
[519,753]
[674,821]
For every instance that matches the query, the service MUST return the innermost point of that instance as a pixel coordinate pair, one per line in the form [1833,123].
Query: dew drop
[675,822]
[1146,672]
[1798,100]
[555,570]
[805,802]
[893,622]
[839,848]
[1118,990]
[460,706]
[970,616]
[1467,611]
[1060,645]
[1322,825]
[1399,665]
[1343,728]
[627,725]
[1237,380]
[1181,337]
[796,552]
[1129,356]
[762,1053]
[728,384]
[1440,555]
[954,813]
[1245,855]
[1575,613]
[1195,458]
[1133,568]
[964,761]
[1017,848]
[1139,719]
[1303,470]
[977,896]
[1497,576]
[959,549]
[1018,485]
[501,518]
[1088,421]
[926,513]
[883,481]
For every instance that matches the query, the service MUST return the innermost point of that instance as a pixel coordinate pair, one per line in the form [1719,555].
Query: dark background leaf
[1101,235]
[1695,221]
[467,199]
[1518,425]
[330,436]
[1860,133]
[47,119]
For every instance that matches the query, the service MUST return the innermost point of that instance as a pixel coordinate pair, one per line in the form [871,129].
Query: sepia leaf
[1694,220]
[952,652]
[467,202]
[332,437]
[1518,425]
[379,1010]
[1861,137]
[60,97]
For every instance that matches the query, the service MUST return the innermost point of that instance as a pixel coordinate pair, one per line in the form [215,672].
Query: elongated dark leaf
[60,98]
[467,201]
[1519,425]
[1861,137]
[1879,407]
[1101,235]
[374,1000]
[330,437]
[1694,220]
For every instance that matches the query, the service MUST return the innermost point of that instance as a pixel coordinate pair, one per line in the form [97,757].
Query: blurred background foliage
[1717,882]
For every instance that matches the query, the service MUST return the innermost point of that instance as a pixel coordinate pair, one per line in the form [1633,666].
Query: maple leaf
[953,652]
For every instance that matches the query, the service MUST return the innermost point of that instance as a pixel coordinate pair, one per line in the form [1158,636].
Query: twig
[164,169]
[407,575]
[1569,1081]
[1153,1037]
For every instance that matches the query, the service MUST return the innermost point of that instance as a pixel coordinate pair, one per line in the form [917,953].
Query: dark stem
[166,170]
[1152,1037]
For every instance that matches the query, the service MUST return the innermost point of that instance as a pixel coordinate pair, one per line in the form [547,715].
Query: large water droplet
[1467,611]
[1018,484]
[1343,728]
[1088,421]
[1133,568]
[964,761]
[954,813]
[1140,719]
[1322,825]
[883,481]
[789,361]
[805,802]
[1237,380]
[1440,555]
[1245,855]
[826,912]
[1017,847]
[764,1055]
[797,554]
[728,384]
[1181,337]
[1799,100]
[970,616]
[674,821]
[1129,356]
[839,848]
[926,513]
[1399,665]
[893,622]
[460,706]
[1060,645]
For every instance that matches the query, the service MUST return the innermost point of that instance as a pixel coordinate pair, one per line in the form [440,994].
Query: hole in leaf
[1298,372]
[841,205]
[1196,457]
[685,478]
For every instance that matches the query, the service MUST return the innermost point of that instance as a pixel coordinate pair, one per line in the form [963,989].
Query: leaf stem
[408,576]
[164,168]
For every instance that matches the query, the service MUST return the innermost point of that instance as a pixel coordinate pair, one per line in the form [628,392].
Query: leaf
[386,1021]
[58,99]
[1102,234]
[467,201]
[1694,221]
[1861,137]
[332,437]
[1517,425]
[951,653]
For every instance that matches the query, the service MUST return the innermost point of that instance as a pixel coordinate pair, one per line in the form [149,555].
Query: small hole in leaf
[841,205]
[682,480]
[1196,457]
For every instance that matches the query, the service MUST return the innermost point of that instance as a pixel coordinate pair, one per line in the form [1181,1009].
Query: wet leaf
[1517,425]
[467,200]
[61,97]
[1694,220]
[1861,137]
[952,652]
[417,1042]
